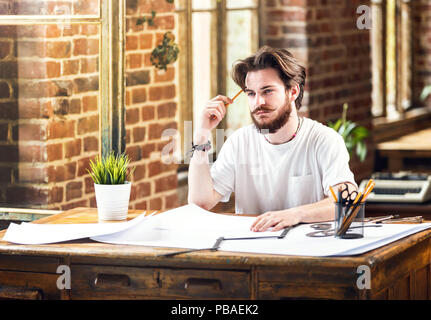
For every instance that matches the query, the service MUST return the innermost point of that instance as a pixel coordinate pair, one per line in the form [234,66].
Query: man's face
[269,101]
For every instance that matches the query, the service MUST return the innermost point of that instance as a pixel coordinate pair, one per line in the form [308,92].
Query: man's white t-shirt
[267,177]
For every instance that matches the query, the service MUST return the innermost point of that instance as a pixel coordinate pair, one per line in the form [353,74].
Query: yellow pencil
[333,194]
[227,104]
[367,191]
[233,99]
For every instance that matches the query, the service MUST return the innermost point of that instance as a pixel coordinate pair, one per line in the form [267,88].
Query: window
[392,57]
[213,34]
[60,97]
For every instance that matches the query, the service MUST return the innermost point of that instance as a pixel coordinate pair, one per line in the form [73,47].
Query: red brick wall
[49,116]
[323,34]
[151,106]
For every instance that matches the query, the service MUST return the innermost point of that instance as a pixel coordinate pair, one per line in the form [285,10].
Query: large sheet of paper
[298,243]
[31,233]
[189,219]
[191,227]
[188,227]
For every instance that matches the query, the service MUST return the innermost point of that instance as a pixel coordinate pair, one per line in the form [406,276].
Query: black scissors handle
[347,197]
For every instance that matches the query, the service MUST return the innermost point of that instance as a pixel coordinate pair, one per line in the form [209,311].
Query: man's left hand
[276,219]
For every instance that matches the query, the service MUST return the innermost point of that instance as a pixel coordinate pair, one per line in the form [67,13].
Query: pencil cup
[349,221]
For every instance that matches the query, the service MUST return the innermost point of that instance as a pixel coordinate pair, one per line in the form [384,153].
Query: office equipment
[399,270]
[346,213]
[400,187]
[328,232]
[347,197]
[395,219]
[333,194]
[381,219]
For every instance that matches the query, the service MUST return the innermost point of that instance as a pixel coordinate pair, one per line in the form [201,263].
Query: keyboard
[399,187]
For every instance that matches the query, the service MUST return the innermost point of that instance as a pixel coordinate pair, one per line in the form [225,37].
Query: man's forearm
[323,210]
[199,180]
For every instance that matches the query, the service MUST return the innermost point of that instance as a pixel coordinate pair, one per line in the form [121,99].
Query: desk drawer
[116,282]
[28,285]
[282,291]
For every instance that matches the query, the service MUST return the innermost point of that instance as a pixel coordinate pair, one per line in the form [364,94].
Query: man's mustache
[262,109]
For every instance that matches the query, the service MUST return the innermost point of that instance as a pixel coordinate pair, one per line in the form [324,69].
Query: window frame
[403,119]
[185,12]
[111,21]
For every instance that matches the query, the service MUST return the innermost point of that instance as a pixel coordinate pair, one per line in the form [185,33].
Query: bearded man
[280,167]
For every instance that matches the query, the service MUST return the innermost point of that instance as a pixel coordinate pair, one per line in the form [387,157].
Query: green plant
[352,134]
[110,170]
[426,91]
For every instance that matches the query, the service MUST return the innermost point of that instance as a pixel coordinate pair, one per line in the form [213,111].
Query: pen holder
[349,220]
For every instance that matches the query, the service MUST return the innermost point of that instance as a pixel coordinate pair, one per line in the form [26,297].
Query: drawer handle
[214,284]
[20,293]
[104,280]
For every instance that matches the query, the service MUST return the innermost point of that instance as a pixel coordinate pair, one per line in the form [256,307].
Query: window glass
[239,22]
[230,4]
[201,63]
[49,111]
[203,4]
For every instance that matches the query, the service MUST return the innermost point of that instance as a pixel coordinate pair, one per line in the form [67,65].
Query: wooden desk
[414,145]
[102,271]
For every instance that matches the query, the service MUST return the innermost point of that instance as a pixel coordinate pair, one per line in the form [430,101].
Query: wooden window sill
[386,129]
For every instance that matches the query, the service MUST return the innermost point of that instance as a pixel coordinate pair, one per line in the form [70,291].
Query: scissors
[322,230]
[326,229]
[346,197]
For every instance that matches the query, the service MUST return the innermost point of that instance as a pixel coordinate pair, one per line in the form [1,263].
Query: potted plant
[111,185]
[352,134]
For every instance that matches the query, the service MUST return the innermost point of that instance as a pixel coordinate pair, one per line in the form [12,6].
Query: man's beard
[281,119]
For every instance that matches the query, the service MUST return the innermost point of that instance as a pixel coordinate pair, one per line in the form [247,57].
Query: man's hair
[291,72]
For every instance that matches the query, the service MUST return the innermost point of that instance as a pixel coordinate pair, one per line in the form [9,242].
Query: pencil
[227,104]
[333,194]
[233,99]
[354,211]
[367,192]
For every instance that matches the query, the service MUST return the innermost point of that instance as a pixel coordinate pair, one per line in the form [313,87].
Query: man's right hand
[214,112]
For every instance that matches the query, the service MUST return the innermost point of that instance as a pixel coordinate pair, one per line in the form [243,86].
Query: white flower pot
[112,200]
